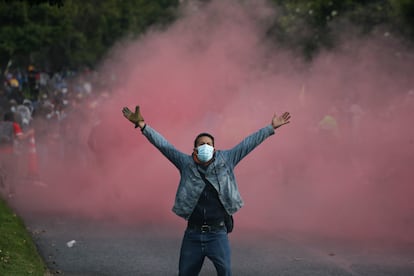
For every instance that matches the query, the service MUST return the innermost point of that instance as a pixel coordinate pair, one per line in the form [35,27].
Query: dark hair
[202,135]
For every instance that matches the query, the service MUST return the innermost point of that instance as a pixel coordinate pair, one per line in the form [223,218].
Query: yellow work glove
[134,118]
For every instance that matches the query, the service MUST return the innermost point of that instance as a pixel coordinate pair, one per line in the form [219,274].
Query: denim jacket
[220,173]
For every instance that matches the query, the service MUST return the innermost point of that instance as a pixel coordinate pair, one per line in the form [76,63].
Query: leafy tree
[310,25]
[55,34]
[403,16]
[60,33]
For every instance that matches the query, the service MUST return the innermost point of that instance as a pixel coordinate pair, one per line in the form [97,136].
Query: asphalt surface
[75,246]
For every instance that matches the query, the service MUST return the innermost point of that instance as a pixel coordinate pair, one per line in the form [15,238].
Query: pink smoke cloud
[213,70]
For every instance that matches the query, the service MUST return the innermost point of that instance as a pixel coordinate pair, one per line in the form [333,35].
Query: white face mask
[205,153]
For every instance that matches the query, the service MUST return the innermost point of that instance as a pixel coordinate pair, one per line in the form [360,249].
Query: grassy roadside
[18,254]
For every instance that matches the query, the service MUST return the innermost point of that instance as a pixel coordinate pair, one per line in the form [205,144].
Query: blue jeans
[197,245]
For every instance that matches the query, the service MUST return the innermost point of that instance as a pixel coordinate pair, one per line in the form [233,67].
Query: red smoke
[214,71]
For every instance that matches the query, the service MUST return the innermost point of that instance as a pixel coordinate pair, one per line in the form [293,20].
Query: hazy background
[213,70]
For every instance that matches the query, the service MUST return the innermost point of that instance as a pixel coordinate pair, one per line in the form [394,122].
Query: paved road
[110,248]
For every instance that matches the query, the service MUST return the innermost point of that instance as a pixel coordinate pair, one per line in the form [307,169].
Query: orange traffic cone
[33,168]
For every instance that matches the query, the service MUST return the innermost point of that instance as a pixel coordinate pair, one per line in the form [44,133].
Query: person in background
[33,77]
[10,131]
[207,195]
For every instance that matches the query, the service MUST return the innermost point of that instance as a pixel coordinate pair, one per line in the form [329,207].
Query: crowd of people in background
[40,106]
[36,106]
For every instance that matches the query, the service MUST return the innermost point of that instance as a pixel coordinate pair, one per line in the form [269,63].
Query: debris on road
[71,243]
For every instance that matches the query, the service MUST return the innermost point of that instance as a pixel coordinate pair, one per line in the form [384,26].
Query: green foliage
[310,25]
[403,15]
[18,255]
[72,33]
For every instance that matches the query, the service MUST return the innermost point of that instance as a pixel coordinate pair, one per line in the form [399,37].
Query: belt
[206,227]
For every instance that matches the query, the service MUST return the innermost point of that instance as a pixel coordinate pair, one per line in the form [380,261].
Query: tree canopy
[70,33]
[312,25]
[73,32]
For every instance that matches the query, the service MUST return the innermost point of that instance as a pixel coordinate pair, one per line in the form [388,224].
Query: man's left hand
[278,121]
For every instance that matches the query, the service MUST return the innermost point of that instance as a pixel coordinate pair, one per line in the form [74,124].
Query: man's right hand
[135,118]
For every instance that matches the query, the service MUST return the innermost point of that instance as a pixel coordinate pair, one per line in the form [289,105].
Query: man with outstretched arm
[207,195]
